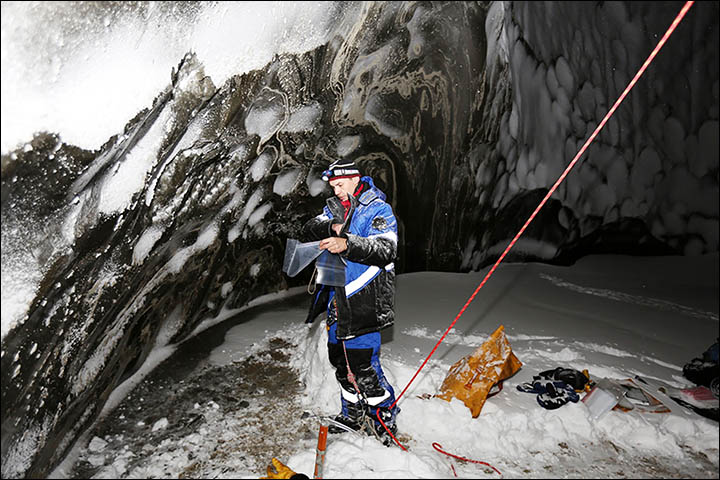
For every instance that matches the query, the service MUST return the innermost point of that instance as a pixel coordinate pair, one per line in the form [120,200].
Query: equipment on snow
[603,397]
[623,395]
[557,387]
[638,398]
[699,399]
[279,470]
[552,394]
[471,378]
[320,452]
[579,381]
[559,397]
[705,369]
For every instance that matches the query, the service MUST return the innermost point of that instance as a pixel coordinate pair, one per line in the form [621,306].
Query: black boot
[388,417]
[352,417]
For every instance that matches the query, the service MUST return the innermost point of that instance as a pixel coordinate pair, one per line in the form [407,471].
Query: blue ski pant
[363,357]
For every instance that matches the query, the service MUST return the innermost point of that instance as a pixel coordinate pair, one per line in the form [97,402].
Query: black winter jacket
[366,303]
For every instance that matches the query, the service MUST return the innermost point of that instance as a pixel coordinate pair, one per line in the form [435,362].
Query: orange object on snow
[320,452]
[472,377]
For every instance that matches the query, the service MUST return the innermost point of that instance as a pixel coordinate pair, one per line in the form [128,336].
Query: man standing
[360,226]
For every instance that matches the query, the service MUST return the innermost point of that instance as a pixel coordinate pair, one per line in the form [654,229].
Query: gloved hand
[336,208]
[281,470]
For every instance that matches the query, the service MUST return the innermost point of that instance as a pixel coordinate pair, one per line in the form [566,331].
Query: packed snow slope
[616,316]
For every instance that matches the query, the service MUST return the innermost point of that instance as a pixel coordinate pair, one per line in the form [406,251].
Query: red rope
[632,83]
[438,447]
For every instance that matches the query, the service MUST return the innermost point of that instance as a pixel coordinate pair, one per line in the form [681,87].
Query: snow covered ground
[616,316]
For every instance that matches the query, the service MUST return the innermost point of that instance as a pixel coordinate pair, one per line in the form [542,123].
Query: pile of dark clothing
[557,387]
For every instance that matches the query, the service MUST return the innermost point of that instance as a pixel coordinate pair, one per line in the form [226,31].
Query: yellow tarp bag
[472,377]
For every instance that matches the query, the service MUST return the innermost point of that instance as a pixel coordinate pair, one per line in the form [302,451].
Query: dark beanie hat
[341,169]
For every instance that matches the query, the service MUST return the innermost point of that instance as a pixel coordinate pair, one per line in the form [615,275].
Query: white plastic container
[602,398]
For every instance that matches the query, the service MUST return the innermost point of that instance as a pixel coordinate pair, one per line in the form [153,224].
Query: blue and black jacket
[366,303]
